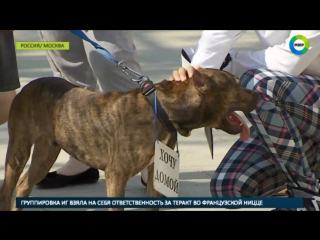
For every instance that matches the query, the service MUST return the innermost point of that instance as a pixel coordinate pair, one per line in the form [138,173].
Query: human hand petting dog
[183,74]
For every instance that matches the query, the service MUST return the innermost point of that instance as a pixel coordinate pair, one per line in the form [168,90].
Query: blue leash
[97,46]
[104,52]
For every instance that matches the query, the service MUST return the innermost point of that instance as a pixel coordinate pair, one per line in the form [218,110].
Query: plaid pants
[284,145]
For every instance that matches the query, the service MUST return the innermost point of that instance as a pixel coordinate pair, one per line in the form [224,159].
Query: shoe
[311,200]
[55,180]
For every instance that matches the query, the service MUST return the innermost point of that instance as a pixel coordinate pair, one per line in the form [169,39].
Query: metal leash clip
[146,85]
[125,69]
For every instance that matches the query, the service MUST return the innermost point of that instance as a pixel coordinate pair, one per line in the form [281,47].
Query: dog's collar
[148,89]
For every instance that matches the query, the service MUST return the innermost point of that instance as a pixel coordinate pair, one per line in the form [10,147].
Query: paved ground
[159,54]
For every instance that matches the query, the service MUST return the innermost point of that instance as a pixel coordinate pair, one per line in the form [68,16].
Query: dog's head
[209,99]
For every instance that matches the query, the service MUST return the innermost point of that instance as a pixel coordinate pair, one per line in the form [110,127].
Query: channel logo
[299,45]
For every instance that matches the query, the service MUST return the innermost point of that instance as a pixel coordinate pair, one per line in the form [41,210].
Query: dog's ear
[199,81]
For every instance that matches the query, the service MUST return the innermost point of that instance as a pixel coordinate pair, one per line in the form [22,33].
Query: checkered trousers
[285,139]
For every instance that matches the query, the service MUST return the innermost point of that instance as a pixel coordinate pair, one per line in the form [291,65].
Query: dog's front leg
[116,183]
[151,192]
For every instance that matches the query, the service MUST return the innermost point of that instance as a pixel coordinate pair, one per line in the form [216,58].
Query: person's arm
[278,57]
[213,47]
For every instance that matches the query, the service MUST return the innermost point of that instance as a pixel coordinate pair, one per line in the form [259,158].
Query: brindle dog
[113,132]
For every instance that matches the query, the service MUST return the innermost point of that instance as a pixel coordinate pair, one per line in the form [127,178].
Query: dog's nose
[252,101]
[245,100]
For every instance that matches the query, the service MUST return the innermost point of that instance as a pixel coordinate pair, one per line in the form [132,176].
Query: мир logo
[299,44]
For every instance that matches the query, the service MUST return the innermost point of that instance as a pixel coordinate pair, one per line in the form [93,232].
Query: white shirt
[214,45]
